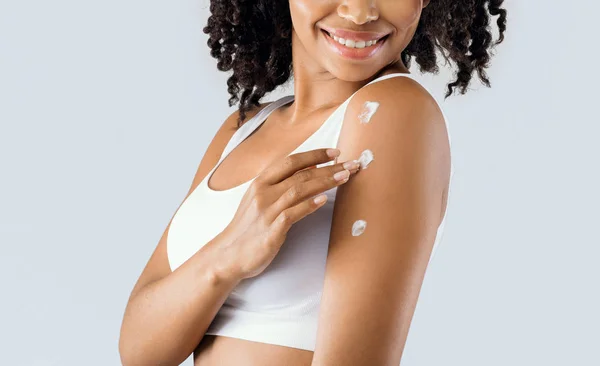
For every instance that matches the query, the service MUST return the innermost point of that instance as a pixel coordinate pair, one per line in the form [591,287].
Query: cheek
[305,12]
[403,14]
[299,8]
[300,13]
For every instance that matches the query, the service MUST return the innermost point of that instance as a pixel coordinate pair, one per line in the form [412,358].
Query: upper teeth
[354,44]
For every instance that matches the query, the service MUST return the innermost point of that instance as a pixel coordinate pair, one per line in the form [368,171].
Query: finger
[316,173]
[289,165]
[311,167]
[293,214]
[301,191]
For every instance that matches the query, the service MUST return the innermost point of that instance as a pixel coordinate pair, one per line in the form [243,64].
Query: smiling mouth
[351,43]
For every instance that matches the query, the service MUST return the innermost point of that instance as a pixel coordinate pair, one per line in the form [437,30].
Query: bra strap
[249,126]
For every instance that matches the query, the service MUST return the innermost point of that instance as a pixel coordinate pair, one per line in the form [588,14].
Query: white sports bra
[281,305]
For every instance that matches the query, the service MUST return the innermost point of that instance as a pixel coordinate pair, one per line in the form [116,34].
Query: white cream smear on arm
[369,109]
[364,160]
[366,157]
[359,227]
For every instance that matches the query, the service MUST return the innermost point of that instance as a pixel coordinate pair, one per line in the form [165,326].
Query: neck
[316,89]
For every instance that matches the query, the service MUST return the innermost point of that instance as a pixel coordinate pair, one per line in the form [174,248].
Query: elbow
[127,357]
[132,353]
[129,352]
[131,358]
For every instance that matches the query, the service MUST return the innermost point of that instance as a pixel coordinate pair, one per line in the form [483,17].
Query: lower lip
[353,53]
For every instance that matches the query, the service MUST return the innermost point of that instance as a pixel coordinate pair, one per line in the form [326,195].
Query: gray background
[107,107]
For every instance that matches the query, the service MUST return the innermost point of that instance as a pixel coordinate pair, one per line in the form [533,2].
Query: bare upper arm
[158,264]
[376,276]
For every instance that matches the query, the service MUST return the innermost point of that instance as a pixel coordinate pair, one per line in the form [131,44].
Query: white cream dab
[366,157]
[358,227]
[369,109]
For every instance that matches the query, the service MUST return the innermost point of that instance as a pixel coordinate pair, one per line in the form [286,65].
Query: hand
[280,195]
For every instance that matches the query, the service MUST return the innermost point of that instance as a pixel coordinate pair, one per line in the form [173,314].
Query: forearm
[165,320]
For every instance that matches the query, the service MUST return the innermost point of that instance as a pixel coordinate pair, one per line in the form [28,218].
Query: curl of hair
[253,38]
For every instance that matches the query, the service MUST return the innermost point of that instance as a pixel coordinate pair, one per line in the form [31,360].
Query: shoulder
[226,131]
[396,97]
[394,114]
[230,125]
[406,135]
[218,143]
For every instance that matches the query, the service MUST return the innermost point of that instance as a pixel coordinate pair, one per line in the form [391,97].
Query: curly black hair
[254,39]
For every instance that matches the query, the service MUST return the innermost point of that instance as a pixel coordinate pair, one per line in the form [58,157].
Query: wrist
[222,264]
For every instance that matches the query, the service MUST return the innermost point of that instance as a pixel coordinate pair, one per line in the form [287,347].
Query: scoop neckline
[206,179]
[263,119]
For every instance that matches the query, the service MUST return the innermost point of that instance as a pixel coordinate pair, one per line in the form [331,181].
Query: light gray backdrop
[107,107]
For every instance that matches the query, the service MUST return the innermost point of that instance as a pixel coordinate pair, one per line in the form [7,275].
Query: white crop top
[281,305]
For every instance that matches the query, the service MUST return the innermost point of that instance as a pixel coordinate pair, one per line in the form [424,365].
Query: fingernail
[341,175]
[351,165]
[320,199]
[332,153]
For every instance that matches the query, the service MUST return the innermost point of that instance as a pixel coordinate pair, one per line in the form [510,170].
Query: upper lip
[359,36]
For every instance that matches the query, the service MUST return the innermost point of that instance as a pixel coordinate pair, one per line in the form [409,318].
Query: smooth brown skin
[410,170]
[280,196]
[375,277]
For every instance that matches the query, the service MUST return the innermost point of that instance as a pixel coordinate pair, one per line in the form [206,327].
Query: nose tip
[358,11]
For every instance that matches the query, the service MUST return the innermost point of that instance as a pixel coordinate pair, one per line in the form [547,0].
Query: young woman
[251,270]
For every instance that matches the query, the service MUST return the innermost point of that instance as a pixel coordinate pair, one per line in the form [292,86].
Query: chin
[352,69]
